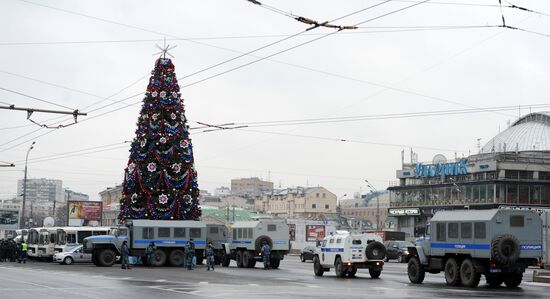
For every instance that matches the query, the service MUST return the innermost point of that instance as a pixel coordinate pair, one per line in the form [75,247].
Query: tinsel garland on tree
[160,180]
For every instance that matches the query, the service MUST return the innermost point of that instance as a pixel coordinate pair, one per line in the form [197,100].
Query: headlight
[405,252]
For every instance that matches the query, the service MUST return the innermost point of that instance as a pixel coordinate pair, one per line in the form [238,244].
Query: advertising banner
[9,219]
[84,213]
[315,232]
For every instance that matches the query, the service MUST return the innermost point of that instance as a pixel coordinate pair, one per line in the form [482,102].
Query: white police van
[347,252]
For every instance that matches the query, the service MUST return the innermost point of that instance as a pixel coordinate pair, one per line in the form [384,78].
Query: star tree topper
[164,49]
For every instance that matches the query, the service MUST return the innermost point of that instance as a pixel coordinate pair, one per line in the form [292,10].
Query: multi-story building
[111,204]
[70,195]
[299,202]
[250,187]
[221,191]
[511,171]
[366,213]
[40,196]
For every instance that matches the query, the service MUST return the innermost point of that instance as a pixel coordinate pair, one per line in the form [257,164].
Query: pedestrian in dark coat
[125,253]
[266,254]
[151,253]
[190,254]
[209,252]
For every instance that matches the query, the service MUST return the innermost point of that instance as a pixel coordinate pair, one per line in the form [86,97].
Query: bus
[33,236]
[70,237]
[47,238]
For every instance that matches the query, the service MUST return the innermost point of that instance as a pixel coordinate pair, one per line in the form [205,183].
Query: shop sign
[404,212]
[447,169]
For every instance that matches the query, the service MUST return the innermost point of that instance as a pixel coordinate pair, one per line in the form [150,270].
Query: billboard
[9,219]
[315,232]
[84,213]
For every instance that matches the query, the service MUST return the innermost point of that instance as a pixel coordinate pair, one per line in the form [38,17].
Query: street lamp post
[22,221]
[372,189]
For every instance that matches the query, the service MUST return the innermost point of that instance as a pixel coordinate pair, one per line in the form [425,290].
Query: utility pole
[373,190]
[22,221]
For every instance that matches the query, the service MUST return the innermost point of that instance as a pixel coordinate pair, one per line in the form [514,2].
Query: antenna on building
[269,175]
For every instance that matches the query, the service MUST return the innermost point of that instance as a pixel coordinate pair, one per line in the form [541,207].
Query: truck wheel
[494,280]
[375,251]
[176,258]
[452,272]
[505,249]
[225,261]
[317,268]
[274,262]
[415,270]
[239,258]
[513,280]
[247,257]
[374,273]
[339,268]
[106,258]
[468,275]
[351,273]
[159,258]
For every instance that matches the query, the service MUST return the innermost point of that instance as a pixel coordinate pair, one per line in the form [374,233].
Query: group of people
[190,258]
[11,251]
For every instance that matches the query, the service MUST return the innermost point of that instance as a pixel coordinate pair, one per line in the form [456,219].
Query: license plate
[495,270]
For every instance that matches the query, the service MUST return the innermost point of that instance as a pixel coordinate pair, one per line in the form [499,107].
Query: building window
[314,206]
[326,206]
[317,195]
[324,195]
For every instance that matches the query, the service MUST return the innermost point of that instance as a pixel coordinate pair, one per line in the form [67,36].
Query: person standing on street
[151,253]
[190,254]
[209,251]
[23,256]
[125,251]
[266,252]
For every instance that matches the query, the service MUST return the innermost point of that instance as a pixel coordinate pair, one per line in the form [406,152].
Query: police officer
[151,253]
[125,251]
[190,254]
[23,256]
[266,252]
[209,252]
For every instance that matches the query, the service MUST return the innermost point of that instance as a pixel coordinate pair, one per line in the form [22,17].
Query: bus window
[83,234]
[99,232]
[71,238]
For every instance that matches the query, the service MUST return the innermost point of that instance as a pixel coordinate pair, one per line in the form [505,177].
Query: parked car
[75,255]
[307,253]
[397,250]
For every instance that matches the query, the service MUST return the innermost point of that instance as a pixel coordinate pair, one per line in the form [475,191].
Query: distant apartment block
[299,202]
[251,187]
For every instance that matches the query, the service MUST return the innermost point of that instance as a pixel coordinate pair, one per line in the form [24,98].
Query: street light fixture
[372,189]
[22,221]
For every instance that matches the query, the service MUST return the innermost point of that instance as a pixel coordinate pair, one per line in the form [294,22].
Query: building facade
[70,195]
[511,171]
[111,205]
[309,203]
[365,215]
[250,187]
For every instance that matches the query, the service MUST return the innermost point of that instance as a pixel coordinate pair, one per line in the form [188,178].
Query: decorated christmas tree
[160,180]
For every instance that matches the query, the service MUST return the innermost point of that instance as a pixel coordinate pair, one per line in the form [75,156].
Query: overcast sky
[367,71]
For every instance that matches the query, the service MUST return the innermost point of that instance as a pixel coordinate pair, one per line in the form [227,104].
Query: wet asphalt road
[293,280]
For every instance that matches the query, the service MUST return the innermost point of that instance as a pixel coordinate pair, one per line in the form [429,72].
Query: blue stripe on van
[242,242]
[168,242]
[531,246]
[280,242]
[461,246]
[332,249]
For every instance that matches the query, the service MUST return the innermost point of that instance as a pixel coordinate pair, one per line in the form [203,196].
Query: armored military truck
[170,238]
[466,244]
[347,252]
[248,238]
